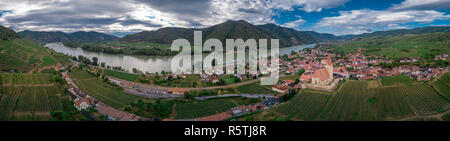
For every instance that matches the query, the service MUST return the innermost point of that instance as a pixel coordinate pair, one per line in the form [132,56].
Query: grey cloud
[186,10]
[423,5]
[250,10]
[77,14]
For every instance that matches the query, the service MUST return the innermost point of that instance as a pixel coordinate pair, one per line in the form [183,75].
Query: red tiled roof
[178,90]
[329,62]
[322,74]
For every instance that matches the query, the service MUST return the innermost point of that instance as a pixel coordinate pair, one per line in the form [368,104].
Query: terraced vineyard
[442,85]
[355,101]
[306,105]
[21,78]
[30,97]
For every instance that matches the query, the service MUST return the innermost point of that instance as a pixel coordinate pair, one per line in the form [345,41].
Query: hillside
[232,30]
[23,55]
[7,34]
[425,45]
[80,36]
[398,32]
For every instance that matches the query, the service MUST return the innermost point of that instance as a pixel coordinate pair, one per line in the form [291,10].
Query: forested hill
[80,36]
[233,30]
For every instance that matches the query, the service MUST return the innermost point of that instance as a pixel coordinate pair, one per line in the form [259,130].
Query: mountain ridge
[232,30]
[58,36]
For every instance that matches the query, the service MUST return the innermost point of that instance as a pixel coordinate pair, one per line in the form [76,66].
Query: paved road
[234,95]
[191,89]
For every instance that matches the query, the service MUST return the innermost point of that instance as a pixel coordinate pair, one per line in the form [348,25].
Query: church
[322,79]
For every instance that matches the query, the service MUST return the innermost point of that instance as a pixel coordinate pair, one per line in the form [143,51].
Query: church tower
[329,66]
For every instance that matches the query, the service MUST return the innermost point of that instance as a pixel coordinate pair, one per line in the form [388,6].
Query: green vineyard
[26,97]
[355,101]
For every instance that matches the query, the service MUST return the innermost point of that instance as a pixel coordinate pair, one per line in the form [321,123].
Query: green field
[47,60]
[355,101]
[107,93]
[410,45]
[442,85]
[121,75]
[306,105]
[27,97]
[397,80]
[255,88]
[197,109]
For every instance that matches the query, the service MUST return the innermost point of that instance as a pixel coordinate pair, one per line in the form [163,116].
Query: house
[178,91]
[415,70]
[213,79]
[404,69]
[82,104]
[128,84]
[367,78]
[280,88]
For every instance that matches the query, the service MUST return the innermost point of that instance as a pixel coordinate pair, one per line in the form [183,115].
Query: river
[149,64]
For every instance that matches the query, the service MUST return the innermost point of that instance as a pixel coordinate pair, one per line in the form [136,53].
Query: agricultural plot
[121,75]
[196,109]
[21,78]
[355,101]
[397,80]
[33,100]
[306,105]
[442,85]
[107,93]
[255,88]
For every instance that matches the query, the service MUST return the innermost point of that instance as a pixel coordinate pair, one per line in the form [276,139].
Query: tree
[103,64]
[94,61]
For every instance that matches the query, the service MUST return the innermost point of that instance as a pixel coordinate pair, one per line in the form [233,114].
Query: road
[234,95]
[192,89]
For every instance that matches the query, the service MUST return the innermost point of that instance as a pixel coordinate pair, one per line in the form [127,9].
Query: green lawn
[121,75]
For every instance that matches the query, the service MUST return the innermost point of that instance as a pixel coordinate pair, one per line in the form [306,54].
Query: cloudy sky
[120,17]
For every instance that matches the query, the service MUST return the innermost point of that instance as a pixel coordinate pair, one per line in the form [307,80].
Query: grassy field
[109,94]
[27,97]
[24,55]
[255,88]
[397,80]
[196,109]
[121,75]
[410,45]
[355,101]
[442,85]
[48,60]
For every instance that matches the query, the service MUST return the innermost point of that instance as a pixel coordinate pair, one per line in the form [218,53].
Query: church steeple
[329,65]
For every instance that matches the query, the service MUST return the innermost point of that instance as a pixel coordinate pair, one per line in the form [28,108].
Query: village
[314,69]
